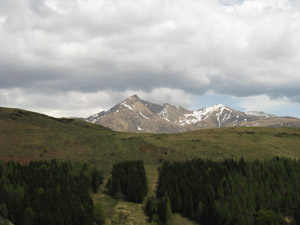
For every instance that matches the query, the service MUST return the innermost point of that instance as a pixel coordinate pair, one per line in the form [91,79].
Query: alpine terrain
[137,115]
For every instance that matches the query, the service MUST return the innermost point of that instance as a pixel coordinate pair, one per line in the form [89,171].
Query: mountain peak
[130,101]
[219,105]
[213,108]
[134,97]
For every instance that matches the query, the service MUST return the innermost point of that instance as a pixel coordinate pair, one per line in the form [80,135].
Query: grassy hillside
[217,144]
[26,136]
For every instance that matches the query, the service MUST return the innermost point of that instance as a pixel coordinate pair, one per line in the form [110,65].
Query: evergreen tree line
[128,181]
[47,193]
[229,192]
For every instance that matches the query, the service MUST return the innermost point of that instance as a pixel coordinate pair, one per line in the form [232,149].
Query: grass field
[26,136]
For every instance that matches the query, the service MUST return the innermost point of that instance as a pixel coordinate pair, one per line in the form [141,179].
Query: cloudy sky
[79,57]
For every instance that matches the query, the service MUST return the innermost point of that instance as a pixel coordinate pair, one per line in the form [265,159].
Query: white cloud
[238,48]
[74,103]
[265,104]
[60,104]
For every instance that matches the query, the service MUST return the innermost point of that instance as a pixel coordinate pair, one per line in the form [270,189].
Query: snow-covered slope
[219,111]
[94,118]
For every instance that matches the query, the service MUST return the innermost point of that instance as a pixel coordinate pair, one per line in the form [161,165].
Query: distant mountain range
[136,115]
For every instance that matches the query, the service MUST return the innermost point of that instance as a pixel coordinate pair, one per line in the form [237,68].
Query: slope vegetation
[26,136]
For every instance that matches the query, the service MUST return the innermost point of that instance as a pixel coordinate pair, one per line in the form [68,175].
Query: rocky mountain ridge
[136,115]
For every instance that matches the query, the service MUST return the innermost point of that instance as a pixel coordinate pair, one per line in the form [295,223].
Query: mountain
[136,115]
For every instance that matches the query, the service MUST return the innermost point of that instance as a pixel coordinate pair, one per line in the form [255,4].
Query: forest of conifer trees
[227,192]
[47,193]
[128,181]
[231,192]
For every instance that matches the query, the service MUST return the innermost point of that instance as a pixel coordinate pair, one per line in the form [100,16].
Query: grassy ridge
[217,144]
[26,136]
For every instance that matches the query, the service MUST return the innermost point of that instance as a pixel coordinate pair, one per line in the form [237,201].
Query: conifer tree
[29,216]
[164,209]
[150,208]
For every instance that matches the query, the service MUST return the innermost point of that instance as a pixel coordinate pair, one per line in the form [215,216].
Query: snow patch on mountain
[143,115]
[95,117]
[127,106]
[203,114]
[259,114]
[164,114]
[222,118]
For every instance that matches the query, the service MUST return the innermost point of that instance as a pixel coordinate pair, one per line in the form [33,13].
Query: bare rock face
[137,115]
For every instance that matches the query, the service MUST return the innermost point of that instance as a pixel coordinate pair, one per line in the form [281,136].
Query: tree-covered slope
[231,192]
[48,193]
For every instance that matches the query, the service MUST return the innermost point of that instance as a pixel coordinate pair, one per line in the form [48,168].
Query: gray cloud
[237,48]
